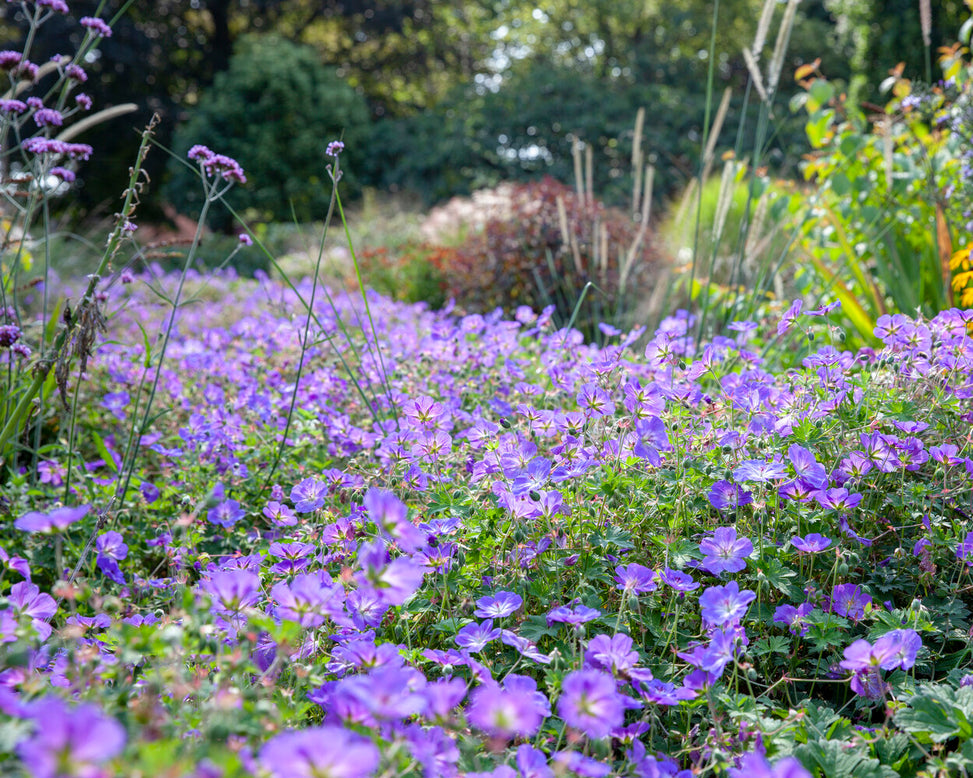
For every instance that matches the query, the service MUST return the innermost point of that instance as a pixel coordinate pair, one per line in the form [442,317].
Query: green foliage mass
[274,110]
[526,130]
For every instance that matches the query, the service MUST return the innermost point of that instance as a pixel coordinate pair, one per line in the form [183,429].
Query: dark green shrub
[274,110]
[526,130]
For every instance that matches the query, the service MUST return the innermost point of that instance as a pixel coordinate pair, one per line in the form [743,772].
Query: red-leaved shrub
[546,247]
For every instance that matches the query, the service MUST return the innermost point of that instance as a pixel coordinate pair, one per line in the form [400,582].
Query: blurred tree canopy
[455,76]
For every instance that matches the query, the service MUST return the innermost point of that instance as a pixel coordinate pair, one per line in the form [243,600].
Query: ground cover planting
[273,528]
[493,549]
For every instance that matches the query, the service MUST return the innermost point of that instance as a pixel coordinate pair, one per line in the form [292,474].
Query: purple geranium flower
[849,600]
[811,544]
[507,712]
[590,702]
[309,495]
[232,590]
[305,599]
[582,765]
[789,316]
[475,637]
[111,550]
[614,654]
[498,606]
[526,648]
[677,580]
[635,579]
[808,469]
[53,521]
[838,498]
[724,552]
[759,471]
[226,514]
[723,606]
[332,751]
[27,599]
[532,763]
[78,739]
[964,551]
[575,616]
[755,765]
[391,516]
[726,495]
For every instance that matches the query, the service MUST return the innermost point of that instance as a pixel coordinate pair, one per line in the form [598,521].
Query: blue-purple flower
[111,550]
[69,741]
[849,600]
[52,521]
[723,551]
[759,471]
[498,606]
[475,637]
[810,544]
[590,703]
[332,751]
[724,606]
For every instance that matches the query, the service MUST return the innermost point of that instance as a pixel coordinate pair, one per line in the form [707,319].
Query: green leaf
[781,578]
[836,760]
[535,627]
[772,645]
[104,452]
[612,536]
[929,717]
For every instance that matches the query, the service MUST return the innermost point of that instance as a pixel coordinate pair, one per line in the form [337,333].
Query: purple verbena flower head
[723,551]
[334,148]
[214,164]
[58,6]
[97,26]
[10,59]
[66,175]
[9,334]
